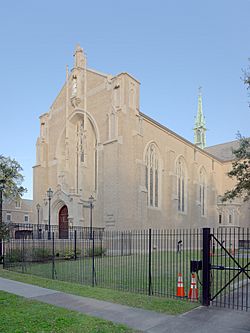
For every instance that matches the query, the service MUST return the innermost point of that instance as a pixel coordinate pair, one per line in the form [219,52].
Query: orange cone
[180,288]
[193,291]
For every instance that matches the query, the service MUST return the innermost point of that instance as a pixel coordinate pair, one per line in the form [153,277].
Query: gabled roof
[223,151]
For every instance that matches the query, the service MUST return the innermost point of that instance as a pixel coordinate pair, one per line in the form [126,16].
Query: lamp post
[1,215]
[1,201]
[91,206]
[49,195]
[38,227]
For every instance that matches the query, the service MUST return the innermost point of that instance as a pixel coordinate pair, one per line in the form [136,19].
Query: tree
[241,166]
[4,233]
[11,178]
[246,78]
[240,171]
[10,185]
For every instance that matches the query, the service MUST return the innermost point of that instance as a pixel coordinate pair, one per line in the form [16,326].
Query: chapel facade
[95,141]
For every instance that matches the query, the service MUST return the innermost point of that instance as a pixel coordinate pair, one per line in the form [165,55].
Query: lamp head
[49,193]
[91,199]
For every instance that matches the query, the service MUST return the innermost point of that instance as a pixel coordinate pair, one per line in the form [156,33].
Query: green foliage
[10,186]
[67,253]
[98,251]
[240,171]
[15,255]
[11,177]
[4,231]
[241,166]
[70,254]
[246,78]
[35,254]
[41,254]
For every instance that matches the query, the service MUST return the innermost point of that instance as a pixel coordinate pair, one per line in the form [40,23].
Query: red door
[63,223]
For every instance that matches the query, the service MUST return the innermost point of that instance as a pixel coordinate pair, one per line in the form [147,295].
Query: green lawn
[120,267]
[159,304]
[19,315]
[127,272]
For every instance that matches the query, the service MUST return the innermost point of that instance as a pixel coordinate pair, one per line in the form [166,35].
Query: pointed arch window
[181,185]
[152,175]
[202,191]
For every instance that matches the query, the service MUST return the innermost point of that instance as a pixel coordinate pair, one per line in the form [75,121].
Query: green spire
[200,125]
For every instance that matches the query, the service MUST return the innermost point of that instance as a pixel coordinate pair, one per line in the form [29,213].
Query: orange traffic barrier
[180,288]
[193,291]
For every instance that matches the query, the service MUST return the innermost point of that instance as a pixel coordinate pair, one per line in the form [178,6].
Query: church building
[97,148]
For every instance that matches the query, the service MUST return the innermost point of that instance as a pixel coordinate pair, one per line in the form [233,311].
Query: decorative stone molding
[75,101]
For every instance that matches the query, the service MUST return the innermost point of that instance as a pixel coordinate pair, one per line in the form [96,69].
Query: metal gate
[226,267]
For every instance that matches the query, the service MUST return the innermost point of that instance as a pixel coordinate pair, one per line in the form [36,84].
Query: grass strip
[20,315]
[158,304]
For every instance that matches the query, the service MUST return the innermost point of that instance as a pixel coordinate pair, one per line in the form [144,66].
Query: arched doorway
[63,223]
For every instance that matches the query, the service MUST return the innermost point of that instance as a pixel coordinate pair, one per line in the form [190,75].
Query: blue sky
[171,47]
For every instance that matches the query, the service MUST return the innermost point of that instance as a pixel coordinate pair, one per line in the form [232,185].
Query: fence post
[122,243]
[149,262]
[75,245]
[206,267]
[3,254]
[100,238]
[53,256]
[93,258]
[1,250]
[23,254]
[130,242]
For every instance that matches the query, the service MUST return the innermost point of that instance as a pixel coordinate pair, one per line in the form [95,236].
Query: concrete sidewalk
[199,320]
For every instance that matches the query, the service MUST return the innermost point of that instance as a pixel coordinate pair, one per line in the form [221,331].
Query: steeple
[200,125]
[78,78]
[79,57]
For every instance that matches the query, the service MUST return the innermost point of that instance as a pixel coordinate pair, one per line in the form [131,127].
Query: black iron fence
[147,261]
[206,265]
[230,268]
[42,231]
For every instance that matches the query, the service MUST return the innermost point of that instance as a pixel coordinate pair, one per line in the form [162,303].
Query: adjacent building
[18,211]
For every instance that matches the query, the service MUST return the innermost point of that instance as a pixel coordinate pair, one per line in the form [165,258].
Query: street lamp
[2,182]
[2,186]
[38,210]
[49,195]
[1,200]
[91,206]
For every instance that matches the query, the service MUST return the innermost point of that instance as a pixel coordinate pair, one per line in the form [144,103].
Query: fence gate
[226,267]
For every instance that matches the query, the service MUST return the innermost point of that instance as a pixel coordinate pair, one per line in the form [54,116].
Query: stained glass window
[181,185]
[152,175]
[156,188]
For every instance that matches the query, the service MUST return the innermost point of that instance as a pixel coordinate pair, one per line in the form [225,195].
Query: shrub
[98,251]
[15,255]
[41,254]
[70,254]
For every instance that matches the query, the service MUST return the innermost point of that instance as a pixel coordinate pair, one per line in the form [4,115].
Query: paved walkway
[199,320]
